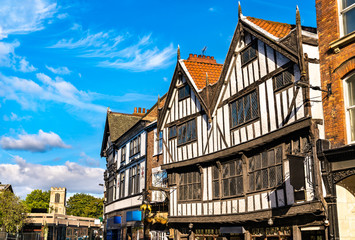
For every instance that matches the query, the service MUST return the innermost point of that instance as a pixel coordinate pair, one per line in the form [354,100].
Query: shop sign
[229,230]
[134,216]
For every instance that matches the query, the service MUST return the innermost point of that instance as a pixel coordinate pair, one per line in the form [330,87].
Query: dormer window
[184,92]
[248,54]
[347,14]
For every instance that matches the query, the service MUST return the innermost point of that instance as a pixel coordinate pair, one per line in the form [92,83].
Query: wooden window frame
[180,98]
[349,108]
[236,102]
[191,184]
[170,136]
[160,143]
[284,84]
[123,154]
[343,10]
[135,146]
[186,125]
[122,185]
[253,169]
[133,184]
[253,44]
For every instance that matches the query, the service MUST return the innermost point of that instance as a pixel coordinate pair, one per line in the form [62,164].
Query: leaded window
[160,142]
[57,198]
[249,53]
[172,132]
[190,186]
[187,132]
[215,182]
[265,170]
[232,178]
[184,92]
[282,79]
[244,109]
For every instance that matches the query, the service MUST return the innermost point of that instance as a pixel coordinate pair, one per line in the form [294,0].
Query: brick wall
[152,161]
[334,108]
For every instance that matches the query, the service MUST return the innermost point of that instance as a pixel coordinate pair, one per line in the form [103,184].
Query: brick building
[336,31]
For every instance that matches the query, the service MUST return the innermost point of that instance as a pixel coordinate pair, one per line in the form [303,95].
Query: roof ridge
[202,62]
[270,21]
[126,114]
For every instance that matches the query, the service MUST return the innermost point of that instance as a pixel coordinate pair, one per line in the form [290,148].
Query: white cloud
[59,70]
[14,117]
[123,51]
[74,177]
[41,142]
[165,79]
[25,66]
[25,17]
[62,15]
[211,9]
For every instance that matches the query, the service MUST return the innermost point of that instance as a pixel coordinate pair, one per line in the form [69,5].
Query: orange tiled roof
[199,65]
[277,29]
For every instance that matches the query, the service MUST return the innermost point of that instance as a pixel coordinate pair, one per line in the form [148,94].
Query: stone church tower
[58,200]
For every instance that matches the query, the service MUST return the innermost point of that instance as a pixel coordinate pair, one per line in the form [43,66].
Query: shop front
[113,228]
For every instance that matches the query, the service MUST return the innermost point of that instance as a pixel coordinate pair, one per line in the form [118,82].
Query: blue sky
[62,63]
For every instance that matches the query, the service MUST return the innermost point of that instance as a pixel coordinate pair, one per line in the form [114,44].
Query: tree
[85,205]
[12,212]
[38,199]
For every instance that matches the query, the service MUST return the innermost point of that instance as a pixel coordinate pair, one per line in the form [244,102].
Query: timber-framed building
[239,138]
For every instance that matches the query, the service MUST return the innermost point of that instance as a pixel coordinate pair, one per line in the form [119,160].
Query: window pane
[240,111]
[215,174]
[216,189]
[225,171]
[258,180]
[195,190]
[225,184]
[194,177]
[245,56]
[183,138]
[193,129]
[251,164]
[251,182]
[349,21]
[347,3]
[351,90]
[264,159]
[180,135]
[239,167]
[187,90]
[279,81]
[271,157]
[279,175]
[287,77]
[190,189]
[254,105]
[352,123]
[278,155]
[234,114]
[232,168]
[272,176]
[188,131]
[233,186]
[264,177]
[257,161]
[247,110]
[252,51]
[240,185]
[189,177]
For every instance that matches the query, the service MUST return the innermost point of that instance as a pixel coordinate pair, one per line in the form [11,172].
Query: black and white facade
[240,154]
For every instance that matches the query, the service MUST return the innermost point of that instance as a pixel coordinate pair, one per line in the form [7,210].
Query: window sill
[342,42]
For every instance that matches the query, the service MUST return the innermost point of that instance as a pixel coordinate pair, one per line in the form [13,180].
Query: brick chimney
[139,112]
[201,58]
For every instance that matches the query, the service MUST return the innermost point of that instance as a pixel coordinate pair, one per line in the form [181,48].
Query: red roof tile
[276,29]
[198,66]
